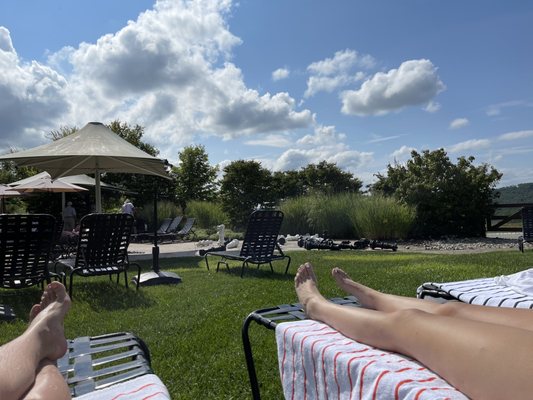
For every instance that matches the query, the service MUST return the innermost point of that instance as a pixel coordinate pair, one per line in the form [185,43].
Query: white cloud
[323,135]
[350,160]
[496,109]
[169,70]
[271,141]
[32,96]
[432,107]
[459,123]
[402,154]
[332,73]
[414,82]
[280,73]
[516,135]
[474,144]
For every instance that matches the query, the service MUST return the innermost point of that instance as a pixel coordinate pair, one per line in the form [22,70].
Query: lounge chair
[527,228]
[259,245]
[168,228]
[109,367]
[25,245]
[316,361]
[515,290]
[102,248]
[139,237]
[185,231]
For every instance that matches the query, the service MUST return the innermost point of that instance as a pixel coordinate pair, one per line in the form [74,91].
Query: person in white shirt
[69,217]
[128,208]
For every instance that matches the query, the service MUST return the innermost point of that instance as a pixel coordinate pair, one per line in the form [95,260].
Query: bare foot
[365,295]
[47,320]
[306,288]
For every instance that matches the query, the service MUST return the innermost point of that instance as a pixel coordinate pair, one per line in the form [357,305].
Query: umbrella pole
[156,276]
[97,192]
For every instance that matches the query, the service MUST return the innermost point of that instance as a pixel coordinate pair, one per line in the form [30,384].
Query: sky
[287,83]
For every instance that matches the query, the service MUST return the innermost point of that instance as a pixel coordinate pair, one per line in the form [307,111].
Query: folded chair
[102,248]
[527,228]
[112,366]
[317,362]
[515,290]
[259,245]
[25,245]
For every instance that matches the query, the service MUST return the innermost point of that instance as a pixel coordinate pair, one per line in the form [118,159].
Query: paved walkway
[143,251]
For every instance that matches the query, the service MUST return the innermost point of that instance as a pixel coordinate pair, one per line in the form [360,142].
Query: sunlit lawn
[194,329]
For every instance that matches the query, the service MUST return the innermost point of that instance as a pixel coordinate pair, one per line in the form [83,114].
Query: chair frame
[269,318]
[527,227]
[259,244]
[102,248]
[93,363]
[25,244]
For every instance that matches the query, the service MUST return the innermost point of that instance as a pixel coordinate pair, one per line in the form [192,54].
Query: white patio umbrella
[6,191]
[48,185]
[91,150]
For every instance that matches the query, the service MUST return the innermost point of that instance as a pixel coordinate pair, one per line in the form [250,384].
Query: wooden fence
[506,217]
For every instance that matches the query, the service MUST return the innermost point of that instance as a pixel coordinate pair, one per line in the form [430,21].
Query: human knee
[450,308]
[406,316]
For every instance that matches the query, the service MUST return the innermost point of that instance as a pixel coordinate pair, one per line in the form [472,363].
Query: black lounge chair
[269,318]
[163,228]
[185,231]
[260,242]
[25,245]
[171,231]
[102,248]
[527,228]
[99,363]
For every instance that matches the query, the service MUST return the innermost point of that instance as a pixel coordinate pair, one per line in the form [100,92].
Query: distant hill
[522,193]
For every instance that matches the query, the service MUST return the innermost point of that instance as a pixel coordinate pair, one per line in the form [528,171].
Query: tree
[195,177]
[327,178]
[245,185]
[450,199]
[288,184]
[62,132]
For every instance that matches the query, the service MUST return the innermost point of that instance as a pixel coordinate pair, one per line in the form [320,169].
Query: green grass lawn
[193,329]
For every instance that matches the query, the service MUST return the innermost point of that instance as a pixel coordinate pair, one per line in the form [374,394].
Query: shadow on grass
[108,296]
[21,300]
[253,271]
[173,263]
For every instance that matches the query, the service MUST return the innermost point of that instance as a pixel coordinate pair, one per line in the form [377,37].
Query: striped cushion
[317,362]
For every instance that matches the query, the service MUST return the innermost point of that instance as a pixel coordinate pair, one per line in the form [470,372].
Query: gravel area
[462,245]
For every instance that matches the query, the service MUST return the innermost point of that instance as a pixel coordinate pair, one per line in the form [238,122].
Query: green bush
[208,214]
[347,215]
[379,217]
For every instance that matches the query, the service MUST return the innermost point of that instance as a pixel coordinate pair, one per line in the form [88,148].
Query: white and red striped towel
[317,362]
[515,290]
[145,387]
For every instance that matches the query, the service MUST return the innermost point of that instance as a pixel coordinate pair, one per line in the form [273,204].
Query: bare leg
[49,384]
[483,360]
[370,298]
[43,340]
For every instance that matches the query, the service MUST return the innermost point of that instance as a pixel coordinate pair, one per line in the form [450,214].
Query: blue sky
[287,83]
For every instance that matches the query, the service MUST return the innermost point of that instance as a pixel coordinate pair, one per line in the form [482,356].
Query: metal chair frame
[269,318]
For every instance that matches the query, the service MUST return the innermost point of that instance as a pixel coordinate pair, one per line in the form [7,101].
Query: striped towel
[317,362]
[142,388]
[515,290]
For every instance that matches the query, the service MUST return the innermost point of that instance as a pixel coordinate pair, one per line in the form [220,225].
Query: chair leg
[70,286]
[288,264]
[206,262]
[125,278]
[271,267]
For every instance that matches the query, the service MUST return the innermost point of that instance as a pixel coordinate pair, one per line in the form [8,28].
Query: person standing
[69,217]
[128,208]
